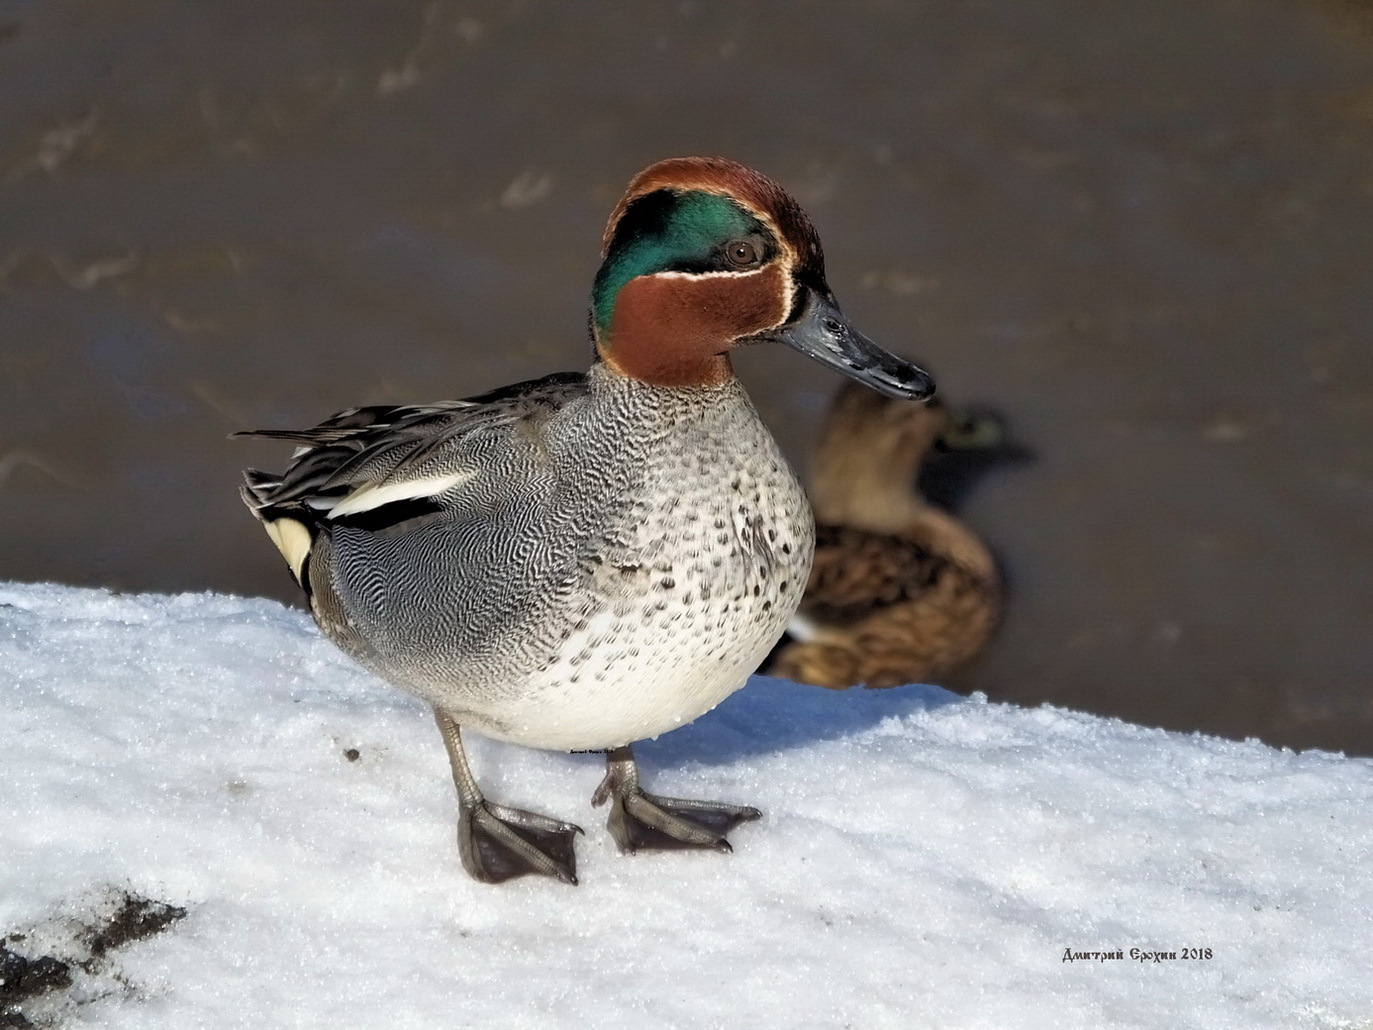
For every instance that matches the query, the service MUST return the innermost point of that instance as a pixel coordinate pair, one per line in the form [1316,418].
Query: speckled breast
[683,585]
[715,564]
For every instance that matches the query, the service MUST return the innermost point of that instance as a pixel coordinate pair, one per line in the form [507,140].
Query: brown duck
[901,591]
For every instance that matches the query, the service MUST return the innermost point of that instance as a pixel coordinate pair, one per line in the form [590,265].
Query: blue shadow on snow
[769,716]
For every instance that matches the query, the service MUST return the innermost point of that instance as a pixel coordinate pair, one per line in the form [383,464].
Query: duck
[901,590]
[589,559]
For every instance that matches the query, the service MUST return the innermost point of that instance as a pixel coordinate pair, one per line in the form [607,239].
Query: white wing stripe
[366,498]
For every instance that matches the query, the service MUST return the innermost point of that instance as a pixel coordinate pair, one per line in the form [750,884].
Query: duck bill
[824,334]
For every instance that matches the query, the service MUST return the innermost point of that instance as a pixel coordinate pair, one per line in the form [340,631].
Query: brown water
[1142,232]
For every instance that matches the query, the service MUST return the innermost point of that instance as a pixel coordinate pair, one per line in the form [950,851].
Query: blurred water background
[1143,233]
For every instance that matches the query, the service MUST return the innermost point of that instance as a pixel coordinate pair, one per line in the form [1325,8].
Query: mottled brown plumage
[901,591]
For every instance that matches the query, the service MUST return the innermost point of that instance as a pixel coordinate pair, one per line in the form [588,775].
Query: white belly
[630,686]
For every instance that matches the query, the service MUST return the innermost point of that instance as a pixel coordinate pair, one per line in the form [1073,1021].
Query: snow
[924,860]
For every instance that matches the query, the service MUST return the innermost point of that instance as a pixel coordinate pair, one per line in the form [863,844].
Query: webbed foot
[642,821]
[499,843]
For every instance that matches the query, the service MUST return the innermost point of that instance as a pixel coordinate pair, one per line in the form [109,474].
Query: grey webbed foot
[642,821]
[499,843]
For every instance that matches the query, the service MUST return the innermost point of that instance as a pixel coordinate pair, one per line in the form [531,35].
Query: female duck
[900,591]
[586,560]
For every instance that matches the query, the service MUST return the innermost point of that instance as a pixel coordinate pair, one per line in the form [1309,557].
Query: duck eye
[742,253]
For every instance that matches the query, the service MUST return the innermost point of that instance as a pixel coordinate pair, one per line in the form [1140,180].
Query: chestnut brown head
[702,255]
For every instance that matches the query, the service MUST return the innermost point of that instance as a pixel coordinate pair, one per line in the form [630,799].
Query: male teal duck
[587,559]
[901,591]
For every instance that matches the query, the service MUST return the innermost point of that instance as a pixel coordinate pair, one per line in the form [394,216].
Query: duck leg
[639,820]
[497,843]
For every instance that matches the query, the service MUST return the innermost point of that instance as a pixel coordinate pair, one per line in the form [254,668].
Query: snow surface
[924,860]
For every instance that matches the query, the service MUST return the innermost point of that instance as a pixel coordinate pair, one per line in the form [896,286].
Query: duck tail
[291,525]
[257,490]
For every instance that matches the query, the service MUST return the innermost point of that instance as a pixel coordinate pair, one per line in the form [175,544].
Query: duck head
[702,255]
[873,450]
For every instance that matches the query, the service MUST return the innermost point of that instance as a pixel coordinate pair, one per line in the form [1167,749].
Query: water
[1140,232]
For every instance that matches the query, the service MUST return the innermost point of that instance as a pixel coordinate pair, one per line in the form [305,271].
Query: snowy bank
[925,860]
